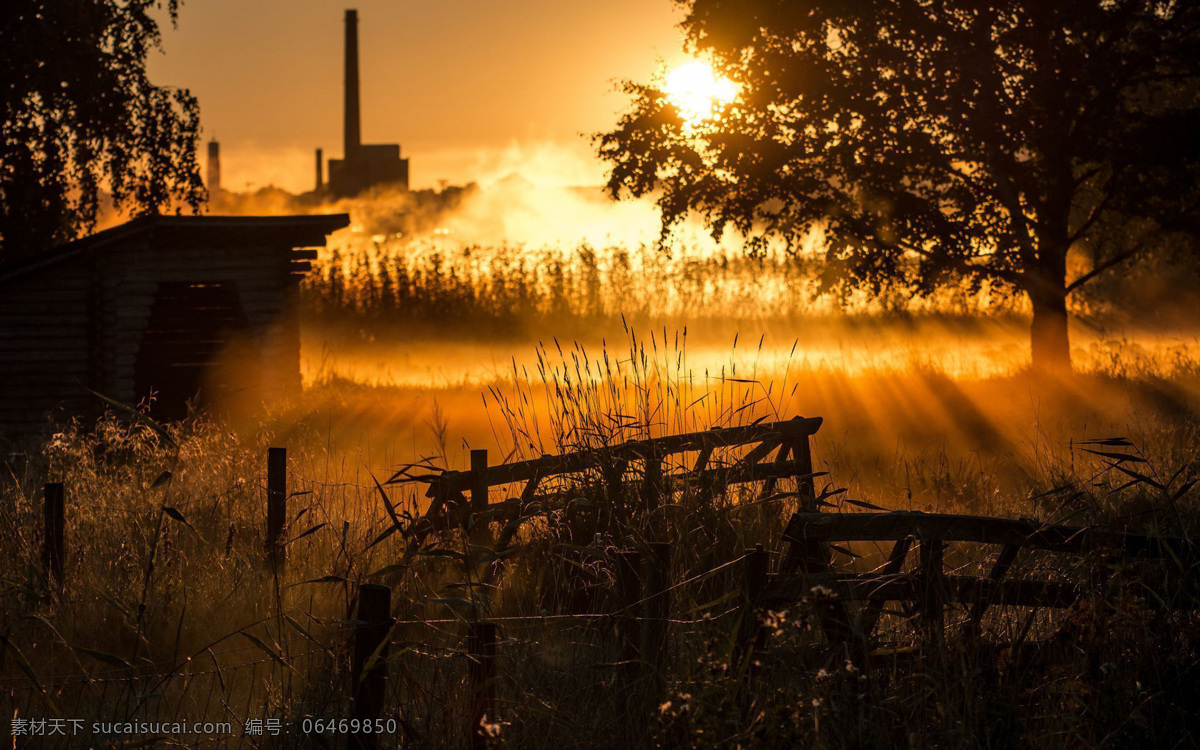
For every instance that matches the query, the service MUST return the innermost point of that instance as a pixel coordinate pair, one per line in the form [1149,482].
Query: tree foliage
[81,120]
[935,139]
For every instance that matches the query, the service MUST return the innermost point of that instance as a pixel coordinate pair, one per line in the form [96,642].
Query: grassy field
[168,611]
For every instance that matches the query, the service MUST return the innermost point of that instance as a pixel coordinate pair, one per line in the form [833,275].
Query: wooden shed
[181,306]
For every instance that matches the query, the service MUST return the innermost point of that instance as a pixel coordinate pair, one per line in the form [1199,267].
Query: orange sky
[471,89]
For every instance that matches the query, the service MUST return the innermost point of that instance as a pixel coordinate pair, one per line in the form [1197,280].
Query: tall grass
[169,610]
[515,289]
[382,285]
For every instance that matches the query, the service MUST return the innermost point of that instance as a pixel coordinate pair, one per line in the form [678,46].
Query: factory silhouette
[362,165]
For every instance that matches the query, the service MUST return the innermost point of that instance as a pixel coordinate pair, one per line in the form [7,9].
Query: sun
[697,91]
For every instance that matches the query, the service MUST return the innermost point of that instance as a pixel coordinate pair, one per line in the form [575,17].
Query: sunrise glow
[697,91]
[636,374]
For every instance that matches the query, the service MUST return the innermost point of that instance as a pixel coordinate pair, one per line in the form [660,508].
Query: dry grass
[169,611]
[387,288]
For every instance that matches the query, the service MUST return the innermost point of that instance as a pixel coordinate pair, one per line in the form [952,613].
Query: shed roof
[177,231]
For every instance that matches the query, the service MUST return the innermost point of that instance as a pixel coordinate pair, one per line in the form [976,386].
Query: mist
[534,195]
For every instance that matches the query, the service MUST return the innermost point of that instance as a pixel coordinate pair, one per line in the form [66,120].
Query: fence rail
[636,629]
[926,591]
[851,527]
[770,435]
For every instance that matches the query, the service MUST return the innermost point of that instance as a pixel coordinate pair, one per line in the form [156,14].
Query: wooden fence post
[629,594]
[481,674]
[654,492]
[613,513]
[750,632]
[276,506]
[369,671]
[481,528]
[932,594]
[802,456]
[657,567]
[479,484]
[652,484]
[53,541]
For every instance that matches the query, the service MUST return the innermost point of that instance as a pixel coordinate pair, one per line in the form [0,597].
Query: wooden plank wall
[44,355]
[261,275]
[78,324]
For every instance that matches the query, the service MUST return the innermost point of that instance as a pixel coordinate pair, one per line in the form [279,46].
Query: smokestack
[320,169]
[352,134]
[214,167]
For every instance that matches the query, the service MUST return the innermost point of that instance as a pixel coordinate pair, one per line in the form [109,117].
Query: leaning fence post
[53,533]
[276,505]
[369,671]
[657,607]
[481,673]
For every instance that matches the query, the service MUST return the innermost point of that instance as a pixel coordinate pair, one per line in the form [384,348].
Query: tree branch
[1096,212]
[960,264]
[1116,260]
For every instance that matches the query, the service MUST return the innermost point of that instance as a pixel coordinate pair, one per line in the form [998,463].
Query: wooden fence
[455,495]
[927,590]
[638,476]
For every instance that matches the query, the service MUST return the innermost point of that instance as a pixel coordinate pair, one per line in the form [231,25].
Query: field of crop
[169,611]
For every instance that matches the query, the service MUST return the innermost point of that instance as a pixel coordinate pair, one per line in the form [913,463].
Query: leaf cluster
[82,122]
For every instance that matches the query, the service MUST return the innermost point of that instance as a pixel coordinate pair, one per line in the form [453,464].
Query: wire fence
[231,691]
[591,645]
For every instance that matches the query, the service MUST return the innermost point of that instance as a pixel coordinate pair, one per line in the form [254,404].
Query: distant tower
[351,125]
[362,165]
[320,170]
[214,167]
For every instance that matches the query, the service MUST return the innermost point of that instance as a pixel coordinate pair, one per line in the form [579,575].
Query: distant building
[361,166]
[214,167]
[184,307]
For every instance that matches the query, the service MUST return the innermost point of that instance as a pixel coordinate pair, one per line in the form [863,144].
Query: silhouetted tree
[933,140]
[80,117]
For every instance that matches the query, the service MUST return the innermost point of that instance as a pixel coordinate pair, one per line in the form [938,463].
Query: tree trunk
[1049,340]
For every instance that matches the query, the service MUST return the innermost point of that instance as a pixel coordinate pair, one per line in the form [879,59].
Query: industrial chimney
[214,167]
[320,170]
[362,165]
[353,134]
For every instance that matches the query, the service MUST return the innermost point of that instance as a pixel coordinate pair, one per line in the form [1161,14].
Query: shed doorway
[197,346]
